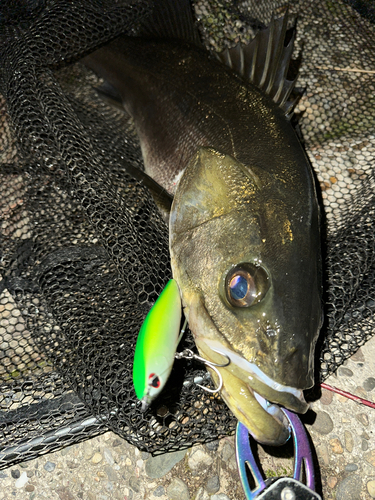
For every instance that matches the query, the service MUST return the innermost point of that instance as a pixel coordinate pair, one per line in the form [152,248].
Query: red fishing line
[348,395]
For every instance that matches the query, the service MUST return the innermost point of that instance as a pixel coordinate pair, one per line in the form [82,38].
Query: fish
[156,345]
[244,223]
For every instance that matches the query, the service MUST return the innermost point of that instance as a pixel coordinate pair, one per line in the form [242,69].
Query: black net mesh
[84,250]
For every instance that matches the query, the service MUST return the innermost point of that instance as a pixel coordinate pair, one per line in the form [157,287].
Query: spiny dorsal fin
[172,19]
[264,62]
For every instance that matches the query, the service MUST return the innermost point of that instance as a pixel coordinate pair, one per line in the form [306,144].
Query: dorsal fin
[172,19]
[264,62]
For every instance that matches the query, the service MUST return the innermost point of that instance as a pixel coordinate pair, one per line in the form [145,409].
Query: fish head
[246,257]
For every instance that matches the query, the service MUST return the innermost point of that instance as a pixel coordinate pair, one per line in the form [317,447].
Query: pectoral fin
[162,198]
[110,96]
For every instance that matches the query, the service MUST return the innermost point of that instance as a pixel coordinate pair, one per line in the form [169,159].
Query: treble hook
[189,354]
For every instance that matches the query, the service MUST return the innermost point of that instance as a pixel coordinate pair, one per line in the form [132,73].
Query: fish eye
[154,381]
[246,285]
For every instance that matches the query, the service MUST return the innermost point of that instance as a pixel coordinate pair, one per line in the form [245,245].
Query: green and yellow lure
[157,344]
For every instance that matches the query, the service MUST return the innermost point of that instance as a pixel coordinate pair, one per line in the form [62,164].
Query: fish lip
[276,433]
[272,409]
[261,384]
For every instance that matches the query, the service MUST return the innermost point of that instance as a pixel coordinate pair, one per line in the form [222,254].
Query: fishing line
[348,395]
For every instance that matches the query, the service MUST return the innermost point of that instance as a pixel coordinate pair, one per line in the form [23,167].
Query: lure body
[156,345]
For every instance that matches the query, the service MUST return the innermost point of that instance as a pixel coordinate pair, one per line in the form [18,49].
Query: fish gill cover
[84,249]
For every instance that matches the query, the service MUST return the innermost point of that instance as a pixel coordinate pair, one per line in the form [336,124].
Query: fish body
[156,345]
[244,223]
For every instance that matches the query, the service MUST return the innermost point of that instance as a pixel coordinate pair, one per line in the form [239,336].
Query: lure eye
[246,284]
[154,381]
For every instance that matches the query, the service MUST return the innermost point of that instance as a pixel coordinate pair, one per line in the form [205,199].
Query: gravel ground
[106,467]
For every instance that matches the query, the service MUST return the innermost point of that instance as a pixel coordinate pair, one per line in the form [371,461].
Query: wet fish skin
[224,215]
[246,195]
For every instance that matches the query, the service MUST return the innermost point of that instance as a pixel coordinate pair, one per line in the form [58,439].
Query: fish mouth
[253,397]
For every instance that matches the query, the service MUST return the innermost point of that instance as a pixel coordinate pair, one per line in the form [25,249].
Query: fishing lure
[156,345]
